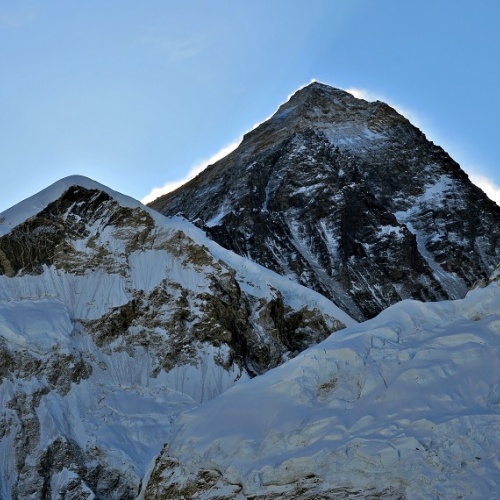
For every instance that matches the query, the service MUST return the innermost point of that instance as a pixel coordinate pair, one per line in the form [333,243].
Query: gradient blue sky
[137,95]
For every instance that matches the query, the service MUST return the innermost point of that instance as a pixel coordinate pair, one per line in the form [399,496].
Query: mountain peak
[36,203]
[320,95]
[342,117]
[350,199]
[318,88]
[115,319]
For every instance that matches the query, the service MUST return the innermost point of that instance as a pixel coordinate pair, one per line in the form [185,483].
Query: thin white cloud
[491,189]
[199,166]
[487,185]
[175,49]
[362,94]
[367,95]
[193,172]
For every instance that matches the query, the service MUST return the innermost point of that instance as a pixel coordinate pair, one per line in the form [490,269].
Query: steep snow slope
[36,203]
[113,319]
[406,405]
[350,199]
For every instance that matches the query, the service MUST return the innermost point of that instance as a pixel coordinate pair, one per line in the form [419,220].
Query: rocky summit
[350,199]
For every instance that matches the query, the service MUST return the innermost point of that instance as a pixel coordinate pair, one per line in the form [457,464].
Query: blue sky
[137,95]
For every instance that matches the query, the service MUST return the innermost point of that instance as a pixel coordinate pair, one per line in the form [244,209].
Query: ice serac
[113,320]
[349,198]
[406,405]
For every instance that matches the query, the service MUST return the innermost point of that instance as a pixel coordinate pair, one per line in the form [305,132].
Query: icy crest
[36,203]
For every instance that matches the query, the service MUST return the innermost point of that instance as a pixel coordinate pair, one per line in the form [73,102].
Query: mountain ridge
[404,405]
[113,320]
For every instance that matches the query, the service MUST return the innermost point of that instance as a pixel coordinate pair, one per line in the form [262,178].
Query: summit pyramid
[349,198]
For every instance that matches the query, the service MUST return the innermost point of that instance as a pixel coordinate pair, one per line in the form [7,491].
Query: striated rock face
[113,320]
[349,198]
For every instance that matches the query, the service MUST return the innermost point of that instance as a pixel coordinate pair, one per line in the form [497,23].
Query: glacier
[406,405]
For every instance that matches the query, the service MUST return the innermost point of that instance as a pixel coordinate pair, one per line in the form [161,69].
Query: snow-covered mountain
[348,198]
[406,405]
[113,320]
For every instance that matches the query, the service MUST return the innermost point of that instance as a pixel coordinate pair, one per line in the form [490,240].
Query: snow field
[409,399]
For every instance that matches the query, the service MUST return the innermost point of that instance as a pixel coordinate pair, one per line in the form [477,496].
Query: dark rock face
[350,199]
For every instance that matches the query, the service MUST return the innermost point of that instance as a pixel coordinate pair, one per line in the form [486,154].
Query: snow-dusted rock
[113,320]
[350,199]
[129,341]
